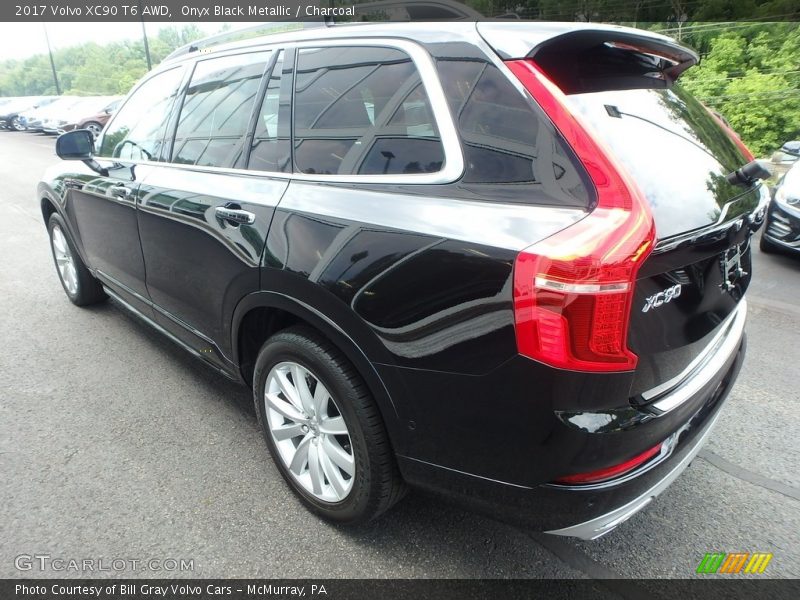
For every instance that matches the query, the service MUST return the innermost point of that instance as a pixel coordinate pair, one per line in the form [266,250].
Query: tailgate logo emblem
[660,298]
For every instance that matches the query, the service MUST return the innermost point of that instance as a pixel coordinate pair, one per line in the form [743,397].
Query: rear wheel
[323,428]
[17,125]
[80,286]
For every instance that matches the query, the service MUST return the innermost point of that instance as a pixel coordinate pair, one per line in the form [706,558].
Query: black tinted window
[363,110]
[674,149]
[216,110]
[271,149]
[506,143]
[137,131]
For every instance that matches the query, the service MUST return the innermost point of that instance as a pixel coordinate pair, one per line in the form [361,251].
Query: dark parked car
[505,264]
[782,225]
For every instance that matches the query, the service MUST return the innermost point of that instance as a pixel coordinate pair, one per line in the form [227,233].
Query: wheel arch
[48,207]
[283,310]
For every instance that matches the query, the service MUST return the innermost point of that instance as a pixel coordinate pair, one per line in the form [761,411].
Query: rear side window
[137,131]
[362,111]
[506,143]
[216,110]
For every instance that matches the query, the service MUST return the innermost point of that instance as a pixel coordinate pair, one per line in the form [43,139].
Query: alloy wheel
[309,432]
[64,261]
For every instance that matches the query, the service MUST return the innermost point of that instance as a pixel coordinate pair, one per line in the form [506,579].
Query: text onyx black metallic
[493,262]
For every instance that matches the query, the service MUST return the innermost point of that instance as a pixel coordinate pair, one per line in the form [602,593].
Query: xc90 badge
[663,297]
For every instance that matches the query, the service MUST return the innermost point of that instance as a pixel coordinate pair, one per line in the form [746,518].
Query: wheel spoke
[337,454]
[59,242]
[285,408]
[289,390]
[333,426]
[70,279]
[300,457]
[301,386]
[287,431]
[333,475]
[314,468]
[321,397]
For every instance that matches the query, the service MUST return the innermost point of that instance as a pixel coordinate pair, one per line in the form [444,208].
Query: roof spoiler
[583,58]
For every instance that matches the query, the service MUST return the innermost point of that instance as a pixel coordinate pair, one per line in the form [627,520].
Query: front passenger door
[104,207]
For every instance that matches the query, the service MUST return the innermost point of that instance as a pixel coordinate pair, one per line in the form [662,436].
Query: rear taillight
[611,472]
[573,291]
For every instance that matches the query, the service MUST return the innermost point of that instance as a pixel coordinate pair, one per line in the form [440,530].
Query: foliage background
[749,72]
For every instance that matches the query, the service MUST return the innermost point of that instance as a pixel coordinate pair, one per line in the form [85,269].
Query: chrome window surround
[454,159]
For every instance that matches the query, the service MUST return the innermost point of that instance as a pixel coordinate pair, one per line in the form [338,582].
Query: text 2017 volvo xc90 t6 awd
[506,264]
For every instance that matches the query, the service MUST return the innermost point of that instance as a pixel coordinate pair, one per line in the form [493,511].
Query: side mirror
[78,144]
[749,173]
[75,145]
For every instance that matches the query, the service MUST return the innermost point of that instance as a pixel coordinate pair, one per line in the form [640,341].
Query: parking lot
[114,443]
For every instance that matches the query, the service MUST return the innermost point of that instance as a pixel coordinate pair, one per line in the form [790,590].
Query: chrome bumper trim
[599,526]
[703,368]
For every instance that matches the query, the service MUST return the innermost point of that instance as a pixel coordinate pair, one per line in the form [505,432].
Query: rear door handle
[120,191]
[235,215]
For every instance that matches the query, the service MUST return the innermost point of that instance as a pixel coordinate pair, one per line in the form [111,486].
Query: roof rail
[270,27]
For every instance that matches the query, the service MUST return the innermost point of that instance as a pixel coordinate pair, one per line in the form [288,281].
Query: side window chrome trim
[453,157]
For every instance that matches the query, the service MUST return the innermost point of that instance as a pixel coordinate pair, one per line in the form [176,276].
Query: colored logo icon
[735,562]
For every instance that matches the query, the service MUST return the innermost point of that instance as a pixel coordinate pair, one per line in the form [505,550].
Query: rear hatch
[700,269]
[622,82]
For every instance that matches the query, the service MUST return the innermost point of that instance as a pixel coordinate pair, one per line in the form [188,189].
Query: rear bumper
[605,523]
[552,450]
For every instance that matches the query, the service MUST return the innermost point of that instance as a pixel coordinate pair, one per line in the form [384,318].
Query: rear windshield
[673,147]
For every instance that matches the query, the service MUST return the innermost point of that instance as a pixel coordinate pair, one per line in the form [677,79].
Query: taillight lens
[611,472]
[573,291]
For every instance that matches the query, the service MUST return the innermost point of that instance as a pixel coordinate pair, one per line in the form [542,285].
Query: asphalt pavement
[115,444]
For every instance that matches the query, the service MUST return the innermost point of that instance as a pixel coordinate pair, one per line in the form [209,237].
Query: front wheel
[80,286]
[17,125]
[323,428]
[95,128]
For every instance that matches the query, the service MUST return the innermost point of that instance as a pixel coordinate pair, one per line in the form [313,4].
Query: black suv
[503,263]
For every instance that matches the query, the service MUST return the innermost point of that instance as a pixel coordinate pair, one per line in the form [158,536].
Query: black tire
[766,246]
[17,125]
[87,290]
[376,484]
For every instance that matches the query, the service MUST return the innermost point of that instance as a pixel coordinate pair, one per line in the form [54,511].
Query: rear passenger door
[203,216]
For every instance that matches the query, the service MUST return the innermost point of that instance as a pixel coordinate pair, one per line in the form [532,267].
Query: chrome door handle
[120,191]
[235,215]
